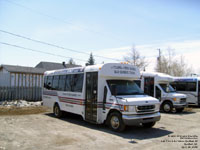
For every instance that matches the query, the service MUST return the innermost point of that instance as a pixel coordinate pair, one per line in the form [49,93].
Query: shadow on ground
[131,132]
[180,113]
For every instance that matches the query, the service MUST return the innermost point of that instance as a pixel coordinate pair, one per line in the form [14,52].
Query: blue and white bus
[189,86]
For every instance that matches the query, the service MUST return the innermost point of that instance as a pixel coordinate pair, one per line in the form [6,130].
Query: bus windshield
[124,87]
[167,88]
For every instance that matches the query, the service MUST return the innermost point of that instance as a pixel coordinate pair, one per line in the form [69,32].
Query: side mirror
[114,90]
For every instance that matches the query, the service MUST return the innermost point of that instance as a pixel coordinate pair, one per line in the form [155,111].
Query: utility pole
[159,59]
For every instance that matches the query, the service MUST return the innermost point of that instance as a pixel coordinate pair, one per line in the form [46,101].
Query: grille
[145,108]
[183,100]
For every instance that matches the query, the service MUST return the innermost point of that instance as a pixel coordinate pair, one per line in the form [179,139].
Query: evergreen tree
[91,60]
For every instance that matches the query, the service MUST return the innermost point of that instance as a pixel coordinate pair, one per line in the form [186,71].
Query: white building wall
[12,78]
[20,80]
[4,79]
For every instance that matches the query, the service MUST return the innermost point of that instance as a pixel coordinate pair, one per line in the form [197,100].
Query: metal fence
[25,93]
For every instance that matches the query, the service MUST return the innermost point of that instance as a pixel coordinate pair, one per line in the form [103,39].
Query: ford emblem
[146,101]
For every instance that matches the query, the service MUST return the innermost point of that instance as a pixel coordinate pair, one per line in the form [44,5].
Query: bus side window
[45,82]
[191,86]
[77,83]
[104,97]
[55,83]
[49,82]
[68,83]
[158,93]
[61,83]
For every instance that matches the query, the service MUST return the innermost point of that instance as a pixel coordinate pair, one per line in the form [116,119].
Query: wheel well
[166,102]
[56,103]
[111,111]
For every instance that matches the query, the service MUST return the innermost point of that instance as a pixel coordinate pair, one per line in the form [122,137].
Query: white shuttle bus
[189,86]
[158,85]
[103,93]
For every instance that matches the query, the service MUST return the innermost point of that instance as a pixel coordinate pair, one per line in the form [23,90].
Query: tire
[167,107]
[57,112]
[149,124]
[179,110]
[115,122]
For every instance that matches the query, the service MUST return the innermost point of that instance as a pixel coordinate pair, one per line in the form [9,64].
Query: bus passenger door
[158,93]
[149,86]
[91,96]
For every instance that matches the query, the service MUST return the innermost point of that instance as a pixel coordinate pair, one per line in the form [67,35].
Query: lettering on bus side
[68,105]
[72,94]
[123,70]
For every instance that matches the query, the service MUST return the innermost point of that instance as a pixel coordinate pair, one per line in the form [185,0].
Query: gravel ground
[44,131]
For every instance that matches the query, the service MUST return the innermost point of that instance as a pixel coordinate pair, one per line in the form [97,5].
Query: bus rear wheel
[57,112]
[115,122]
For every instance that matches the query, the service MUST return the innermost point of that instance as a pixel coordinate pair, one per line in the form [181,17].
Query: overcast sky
[107,28]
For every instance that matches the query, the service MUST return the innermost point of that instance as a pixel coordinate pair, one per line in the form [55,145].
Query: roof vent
[63,63]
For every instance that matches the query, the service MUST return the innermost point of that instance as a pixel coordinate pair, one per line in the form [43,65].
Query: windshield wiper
[138,93]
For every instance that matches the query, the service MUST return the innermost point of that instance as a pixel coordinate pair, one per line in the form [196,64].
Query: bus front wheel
[115,122]
[167,107]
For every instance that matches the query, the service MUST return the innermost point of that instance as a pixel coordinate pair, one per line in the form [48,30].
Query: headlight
[131,108]
[157,107]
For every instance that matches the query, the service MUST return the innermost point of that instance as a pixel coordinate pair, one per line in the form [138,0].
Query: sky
[107,28]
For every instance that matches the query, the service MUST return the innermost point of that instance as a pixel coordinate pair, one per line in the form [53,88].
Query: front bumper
[180,105]
[137,119]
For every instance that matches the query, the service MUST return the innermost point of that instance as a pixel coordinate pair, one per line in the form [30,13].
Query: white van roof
[162,77]
[186,79]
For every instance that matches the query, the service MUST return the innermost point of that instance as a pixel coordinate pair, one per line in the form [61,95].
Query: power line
[38,51]
[58,19]
[53,45]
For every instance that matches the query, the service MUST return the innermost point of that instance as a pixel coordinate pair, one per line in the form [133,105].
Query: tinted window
[191,86]
[68,83]
[124,87]
[55,82]
[45,82]
[149,86]
[167,88]
[184,86]
[158,93]
[61,83]
[77,83]
[49,82]
[138,82]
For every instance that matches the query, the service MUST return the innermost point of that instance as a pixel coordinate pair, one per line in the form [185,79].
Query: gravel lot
[44,131]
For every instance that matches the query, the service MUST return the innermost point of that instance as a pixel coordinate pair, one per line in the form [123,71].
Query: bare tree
[134,58]
[71,62]
[172,64]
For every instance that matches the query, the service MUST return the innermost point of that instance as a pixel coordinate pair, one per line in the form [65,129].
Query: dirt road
[43,131]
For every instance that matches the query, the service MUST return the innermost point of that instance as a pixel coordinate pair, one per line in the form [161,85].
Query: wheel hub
[115,122]
[167,107]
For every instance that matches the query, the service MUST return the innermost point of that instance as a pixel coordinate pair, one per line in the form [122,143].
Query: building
[20,76]
[54,66]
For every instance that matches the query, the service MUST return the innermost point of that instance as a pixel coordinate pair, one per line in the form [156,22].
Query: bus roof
[109,70]
[187,79]
[159,76]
